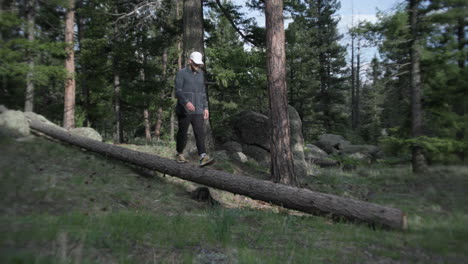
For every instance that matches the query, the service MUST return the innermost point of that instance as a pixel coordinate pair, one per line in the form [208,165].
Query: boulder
[259,154]
[297,142]
[3,109]
[252,128]
[371,151]
[87,132]
[331,143]
[14,123]
[312,152]
[239,156]
[232,146]
[40,118]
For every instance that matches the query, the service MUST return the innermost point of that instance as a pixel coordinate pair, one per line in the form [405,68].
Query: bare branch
[142,10]
[229,18]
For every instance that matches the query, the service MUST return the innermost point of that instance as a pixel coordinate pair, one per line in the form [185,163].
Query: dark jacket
[190,87]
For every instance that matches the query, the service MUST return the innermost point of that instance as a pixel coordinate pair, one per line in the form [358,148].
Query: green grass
[60,204]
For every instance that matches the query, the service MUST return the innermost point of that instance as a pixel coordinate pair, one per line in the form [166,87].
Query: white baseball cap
[196,57]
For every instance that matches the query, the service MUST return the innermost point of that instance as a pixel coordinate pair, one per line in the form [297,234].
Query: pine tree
[317,66]
[282,166]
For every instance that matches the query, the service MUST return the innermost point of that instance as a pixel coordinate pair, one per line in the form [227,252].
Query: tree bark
[282,166]
[117,112]
[283,195]
[31,13]
[159,113]
[179,64]
[69,96]
[358,84]
[353,82]
[193,27]
[83,81]
[147,124]
[418,158]
[459,107]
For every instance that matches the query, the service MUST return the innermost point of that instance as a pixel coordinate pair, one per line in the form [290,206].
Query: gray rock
[87,132]
[259,154]
[232,146]
[3,109]
[297,142]
[314,151]
[370,151]
[239,156]
[252,128]
[33,116]
[14,123]
[331,143]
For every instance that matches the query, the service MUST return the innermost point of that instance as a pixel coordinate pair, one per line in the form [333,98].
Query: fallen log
[287,196]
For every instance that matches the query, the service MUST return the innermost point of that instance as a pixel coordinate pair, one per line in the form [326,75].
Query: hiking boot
[180,158]
[206,160]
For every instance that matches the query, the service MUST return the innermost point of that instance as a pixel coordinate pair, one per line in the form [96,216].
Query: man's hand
[190,107]
[206,114]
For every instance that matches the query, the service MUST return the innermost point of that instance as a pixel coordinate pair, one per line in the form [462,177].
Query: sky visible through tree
[352,11]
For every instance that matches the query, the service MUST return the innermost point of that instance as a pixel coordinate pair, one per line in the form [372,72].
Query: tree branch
[229,18]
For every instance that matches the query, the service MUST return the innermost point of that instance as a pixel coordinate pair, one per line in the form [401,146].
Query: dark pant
[198,125]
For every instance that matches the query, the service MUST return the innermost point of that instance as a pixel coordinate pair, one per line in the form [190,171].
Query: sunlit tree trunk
[147,124]
[29,101]
[282,167]
[69,95]
[418,159]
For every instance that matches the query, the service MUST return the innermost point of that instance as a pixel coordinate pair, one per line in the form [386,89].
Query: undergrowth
[60,204]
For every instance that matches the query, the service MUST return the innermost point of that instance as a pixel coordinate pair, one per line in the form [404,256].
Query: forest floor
[60,204]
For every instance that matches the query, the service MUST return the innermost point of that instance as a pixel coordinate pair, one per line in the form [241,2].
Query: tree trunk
[418,159]
[358,84]
[459,107]
[117,112]
[287,196]
[282,166]
[193,28]
[159,114]
[147,125]
[69,96]
[83,81]
[193,41]
[31,13]
[179,64]
[353,87]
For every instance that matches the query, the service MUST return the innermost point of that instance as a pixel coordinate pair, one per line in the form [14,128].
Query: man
[192,107]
